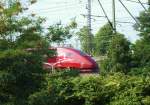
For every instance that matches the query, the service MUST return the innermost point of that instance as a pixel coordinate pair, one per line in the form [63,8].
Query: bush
[20,75]
[59,87]
[145,71]
[110,89]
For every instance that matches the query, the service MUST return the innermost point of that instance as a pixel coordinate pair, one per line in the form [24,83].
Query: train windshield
[83,54]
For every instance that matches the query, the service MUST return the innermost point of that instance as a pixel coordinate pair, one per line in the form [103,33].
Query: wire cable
[58,7]
[105,14]
[129,12]
[54,11]
[142,5]
[125,22]
[136,2]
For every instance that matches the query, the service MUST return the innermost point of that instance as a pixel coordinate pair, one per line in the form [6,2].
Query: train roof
[71,49]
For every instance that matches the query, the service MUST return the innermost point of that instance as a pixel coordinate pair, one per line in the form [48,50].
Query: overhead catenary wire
[60,7]
[105,14]
[137,2]
[94,16]
[66,2]
[142,5]
[55,10]
[58,11]
[125,22]
[129,12]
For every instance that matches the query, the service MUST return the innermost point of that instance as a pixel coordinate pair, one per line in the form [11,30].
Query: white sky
[65,10]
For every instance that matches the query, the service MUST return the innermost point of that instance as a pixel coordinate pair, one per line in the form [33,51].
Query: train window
[82,53]
[60,53]
[68,54]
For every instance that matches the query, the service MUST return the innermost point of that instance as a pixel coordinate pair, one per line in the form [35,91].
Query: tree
[30,33]
[8,20]
[22,31]
[21,69]
[141,48]
[102,40]
[21,72]
[84,40]
[118,54]
[59,33]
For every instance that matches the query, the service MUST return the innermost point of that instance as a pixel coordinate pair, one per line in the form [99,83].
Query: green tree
[21,69]
[84,40]
[59,33]
[109,89]
[30,34]
[141,48]
[8,20]
[102,40]
[22,31]
[118,54]
[21,72]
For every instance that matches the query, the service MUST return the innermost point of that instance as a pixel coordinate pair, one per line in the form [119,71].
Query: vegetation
[18,77]
[118,55]
[22,46]
[102,40]
[110,89]
[84,40]
[142,46]
[58,33]
[125,79]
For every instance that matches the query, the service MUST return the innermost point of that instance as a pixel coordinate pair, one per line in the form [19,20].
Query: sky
[66,10]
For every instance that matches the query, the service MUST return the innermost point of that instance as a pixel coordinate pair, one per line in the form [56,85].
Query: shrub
[145,71]
[20,75]
[110,89]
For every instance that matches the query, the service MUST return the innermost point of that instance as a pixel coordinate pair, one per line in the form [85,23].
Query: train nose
[92,63]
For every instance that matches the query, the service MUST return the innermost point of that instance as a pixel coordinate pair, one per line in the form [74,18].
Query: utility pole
[114,16]
[89,26]
[89,15]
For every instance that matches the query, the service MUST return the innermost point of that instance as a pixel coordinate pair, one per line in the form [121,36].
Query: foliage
[58,33]
[31,36]
[19,31]
[145,71]
[85,41]
[110,89]
[118,54]
[54,93]
[18,77]
[141,56]
[23,80]
[141,48]
[102,40]
[21,72]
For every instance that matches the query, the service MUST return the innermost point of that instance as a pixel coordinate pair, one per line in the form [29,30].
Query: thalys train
[73,59]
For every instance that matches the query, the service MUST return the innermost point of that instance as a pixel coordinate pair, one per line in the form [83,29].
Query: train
[73,59]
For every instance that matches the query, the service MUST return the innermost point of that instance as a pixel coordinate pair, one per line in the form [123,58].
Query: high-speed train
[73,59]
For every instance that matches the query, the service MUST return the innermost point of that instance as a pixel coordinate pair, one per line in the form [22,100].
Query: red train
[71,58]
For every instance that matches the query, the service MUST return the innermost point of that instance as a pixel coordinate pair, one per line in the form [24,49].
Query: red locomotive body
[72,58]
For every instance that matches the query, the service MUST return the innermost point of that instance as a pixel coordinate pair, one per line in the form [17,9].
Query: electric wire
[50,10]
[129,12]
[57,7]
[137,2]
[105,14]
[142,5]
[125,22]
[55,11]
